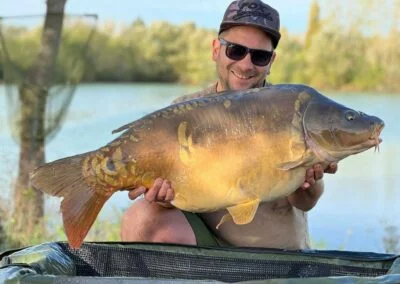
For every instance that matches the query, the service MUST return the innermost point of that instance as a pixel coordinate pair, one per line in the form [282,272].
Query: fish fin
[123,127]
[306,160]
[227,217]
[291,165]
[244,213]
[79,212]
[81,204]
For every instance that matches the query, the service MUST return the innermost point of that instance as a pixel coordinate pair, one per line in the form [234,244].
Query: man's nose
[246,63]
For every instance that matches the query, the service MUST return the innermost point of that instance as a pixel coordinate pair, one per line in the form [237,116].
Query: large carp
[231,151]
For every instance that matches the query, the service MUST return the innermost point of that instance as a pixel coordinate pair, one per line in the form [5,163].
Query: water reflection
[391,240]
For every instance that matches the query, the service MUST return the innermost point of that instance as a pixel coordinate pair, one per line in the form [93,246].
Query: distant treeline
[328,56]
[161,52]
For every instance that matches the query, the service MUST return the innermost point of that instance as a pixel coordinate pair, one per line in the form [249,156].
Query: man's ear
[270,63]
[216,46]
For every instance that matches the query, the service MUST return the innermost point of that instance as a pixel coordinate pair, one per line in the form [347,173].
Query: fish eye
[351,115]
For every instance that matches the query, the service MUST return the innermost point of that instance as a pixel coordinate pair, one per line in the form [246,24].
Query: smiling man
[244,53]
[244,50]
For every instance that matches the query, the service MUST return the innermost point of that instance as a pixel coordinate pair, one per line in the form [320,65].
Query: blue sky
[205,13]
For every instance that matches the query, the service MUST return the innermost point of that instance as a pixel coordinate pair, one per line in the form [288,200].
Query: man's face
[242,74]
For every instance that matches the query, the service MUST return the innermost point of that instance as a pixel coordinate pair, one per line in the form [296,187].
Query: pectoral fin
[291,165]
[306,160]
[242,213]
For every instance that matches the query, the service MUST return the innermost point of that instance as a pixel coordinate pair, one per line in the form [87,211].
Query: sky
[205,13]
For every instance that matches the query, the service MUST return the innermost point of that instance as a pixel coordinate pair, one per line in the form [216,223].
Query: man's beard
[225,82]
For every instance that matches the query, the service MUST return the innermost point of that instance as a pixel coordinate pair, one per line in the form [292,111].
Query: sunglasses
[237,52]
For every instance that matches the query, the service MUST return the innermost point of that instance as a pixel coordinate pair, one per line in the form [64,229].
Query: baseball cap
[252,13]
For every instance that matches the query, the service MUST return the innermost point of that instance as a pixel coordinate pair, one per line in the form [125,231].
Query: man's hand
[305,197]
[316,173]
[161,192]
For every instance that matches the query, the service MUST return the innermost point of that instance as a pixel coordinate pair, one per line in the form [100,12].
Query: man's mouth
[242,76]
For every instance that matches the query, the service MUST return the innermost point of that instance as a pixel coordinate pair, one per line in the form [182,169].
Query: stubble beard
[226,85]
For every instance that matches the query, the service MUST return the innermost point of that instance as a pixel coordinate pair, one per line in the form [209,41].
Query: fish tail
[82,200]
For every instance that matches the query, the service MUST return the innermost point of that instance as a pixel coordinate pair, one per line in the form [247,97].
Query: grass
[104,229]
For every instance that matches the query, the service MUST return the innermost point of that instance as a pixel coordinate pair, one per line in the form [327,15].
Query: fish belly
[234,173]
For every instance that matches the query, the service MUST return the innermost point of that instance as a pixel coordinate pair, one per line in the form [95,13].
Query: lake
[360,206]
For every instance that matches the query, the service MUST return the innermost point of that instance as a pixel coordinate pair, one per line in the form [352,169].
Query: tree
[313,23]
[392,52]
[29,203]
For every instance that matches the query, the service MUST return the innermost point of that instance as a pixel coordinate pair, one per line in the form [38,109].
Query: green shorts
[204,236]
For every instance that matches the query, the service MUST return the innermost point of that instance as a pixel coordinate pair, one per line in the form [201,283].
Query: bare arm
[307,196]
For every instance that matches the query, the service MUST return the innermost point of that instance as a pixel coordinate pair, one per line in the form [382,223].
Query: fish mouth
[375,139]
[374,142]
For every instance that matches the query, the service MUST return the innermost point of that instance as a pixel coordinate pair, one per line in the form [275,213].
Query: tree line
[328,56]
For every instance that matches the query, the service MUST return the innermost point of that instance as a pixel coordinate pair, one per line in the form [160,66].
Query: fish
[233,150]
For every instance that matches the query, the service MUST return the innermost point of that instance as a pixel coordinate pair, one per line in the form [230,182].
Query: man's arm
[306,199]
[307,196]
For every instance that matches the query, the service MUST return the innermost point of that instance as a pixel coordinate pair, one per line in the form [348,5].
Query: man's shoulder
[207,92]
[210,91]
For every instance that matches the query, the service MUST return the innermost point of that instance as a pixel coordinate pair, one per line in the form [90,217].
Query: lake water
[361,200]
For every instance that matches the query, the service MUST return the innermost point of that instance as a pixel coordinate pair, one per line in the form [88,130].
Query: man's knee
[133,220]
[150,222]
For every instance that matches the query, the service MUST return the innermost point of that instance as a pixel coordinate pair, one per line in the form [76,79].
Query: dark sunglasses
[237,52]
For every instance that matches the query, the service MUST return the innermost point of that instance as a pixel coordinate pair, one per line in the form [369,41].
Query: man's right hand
[161,192]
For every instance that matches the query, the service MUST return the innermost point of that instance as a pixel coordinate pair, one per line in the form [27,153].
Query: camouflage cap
[252,13]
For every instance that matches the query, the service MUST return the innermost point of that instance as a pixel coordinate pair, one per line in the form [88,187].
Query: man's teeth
[242,76]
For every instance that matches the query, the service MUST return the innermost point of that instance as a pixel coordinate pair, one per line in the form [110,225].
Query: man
[243,53]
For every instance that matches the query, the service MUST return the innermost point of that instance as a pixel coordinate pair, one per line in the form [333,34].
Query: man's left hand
[316,173]
[307,195]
